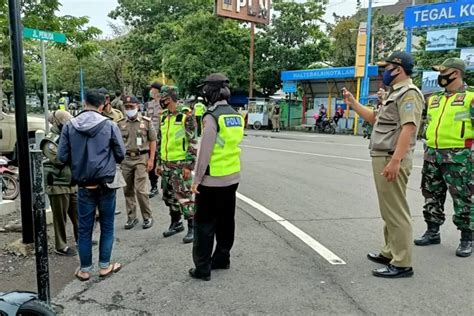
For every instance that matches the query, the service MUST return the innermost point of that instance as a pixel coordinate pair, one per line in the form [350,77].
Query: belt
[137,153]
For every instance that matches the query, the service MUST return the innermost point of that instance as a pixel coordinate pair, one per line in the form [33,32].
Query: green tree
[292,41]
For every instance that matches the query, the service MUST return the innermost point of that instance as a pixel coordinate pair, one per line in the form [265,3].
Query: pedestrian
[276,118]
[448,159]
[139,137]
[392,145]
[199,110]
[339,114]
[153,109]
[117,103]
[177,148]
[61,192]
[216,180]
[92,145]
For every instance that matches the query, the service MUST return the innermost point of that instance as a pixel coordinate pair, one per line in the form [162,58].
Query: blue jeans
[87,203]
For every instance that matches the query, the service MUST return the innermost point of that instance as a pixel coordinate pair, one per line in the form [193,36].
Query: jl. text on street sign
[458,12]
[44,35]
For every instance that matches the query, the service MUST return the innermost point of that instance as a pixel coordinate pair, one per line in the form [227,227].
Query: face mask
[387,77]
[131,113]
[444,80]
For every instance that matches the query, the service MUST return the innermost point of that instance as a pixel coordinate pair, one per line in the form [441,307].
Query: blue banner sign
[289,87]
[461,11]
[325,73]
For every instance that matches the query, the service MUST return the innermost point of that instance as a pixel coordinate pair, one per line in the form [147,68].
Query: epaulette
[184,109]
[470,89]
[146,118]
[122,119]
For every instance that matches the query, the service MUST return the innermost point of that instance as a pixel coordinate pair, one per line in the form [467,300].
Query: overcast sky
[97,10]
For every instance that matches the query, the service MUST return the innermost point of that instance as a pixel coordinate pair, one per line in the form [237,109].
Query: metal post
[39,136]
[252,49]
[81,75]
[409,34]
[45,88]
[366,80]
[289,113]
[41,235]
[1,188]
[16,41]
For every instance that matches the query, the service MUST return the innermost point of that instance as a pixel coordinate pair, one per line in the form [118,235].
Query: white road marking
[287,134]
[304,237]
[311,154]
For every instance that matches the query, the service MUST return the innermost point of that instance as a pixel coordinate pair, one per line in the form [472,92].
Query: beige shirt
[137,133]
[154,113]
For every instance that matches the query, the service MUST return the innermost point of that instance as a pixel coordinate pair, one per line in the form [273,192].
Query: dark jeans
[199,125]
[153,177]
[215,217]
[88,200]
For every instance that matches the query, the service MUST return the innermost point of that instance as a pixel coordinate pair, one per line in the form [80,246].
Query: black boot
[430,237]
[189,238]
[465,246]
[175,227]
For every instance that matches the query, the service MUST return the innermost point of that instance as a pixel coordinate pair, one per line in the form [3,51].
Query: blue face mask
[387,77]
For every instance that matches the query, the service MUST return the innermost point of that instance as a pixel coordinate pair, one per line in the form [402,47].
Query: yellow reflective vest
[174,144]
[199,109]
[449,120]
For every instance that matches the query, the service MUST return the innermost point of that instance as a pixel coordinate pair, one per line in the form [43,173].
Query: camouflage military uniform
[177,192]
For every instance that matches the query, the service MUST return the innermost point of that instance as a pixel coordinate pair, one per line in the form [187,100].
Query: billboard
[429,83]
[467,54]
[441,39]
[257,11]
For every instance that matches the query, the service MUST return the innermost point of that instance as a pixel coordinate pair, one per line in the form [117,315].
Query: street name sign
[44,35]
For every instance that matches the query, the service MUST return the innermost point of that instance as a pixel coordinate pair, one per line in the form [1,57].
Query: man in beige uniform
[139,137]
[154,113]
[391,147]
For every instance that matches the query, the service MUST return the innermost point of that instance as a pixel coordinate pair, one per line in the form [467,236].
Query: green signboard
[44,35]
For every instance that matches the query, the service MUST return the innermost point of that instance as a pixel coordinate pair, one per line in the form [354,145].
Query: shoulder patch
[409,106]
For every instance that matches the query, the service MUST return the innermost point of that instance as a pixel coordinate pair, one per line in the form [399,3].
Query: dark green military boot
[430,237]
[189,238]
[175,227]
[465,246]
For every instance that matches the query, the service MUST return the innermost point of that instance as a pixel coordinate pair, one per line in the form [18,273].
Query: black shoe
[216,266]
[465,246]
[154,192]
[189,238]
[393,272]
[175,227]
[131,223]
[196,275]
[147,223]
[67,252]
[378,258]
[430,237]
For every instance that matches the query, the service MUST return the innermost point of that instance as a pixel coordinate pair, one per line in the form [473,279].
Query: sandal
[114,268]
[81,278]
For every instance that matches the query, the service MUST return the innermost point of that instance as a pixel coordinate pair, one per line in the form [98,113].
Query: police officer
[392,145]
[154,112]
[58,178]
[63,102]
[216,180]
[139,137]
[177,150]
[276,118]
[448,159]
[199,110]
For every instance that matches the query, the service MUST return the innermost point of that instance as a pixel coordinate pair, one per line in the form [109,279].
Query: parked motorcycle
[9,181]
[325,125]
[23,303]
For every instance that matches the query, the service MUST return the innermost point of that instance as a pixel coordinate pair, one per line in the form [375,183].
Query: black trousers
[152,176]
[199,125]
[214,218]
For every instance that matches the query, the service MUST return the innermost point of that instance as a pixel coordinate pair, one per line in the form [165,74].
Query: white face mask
[131,113]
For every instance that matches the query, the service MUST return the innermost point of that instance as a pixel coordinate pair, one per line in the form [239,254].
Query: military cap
[455,63]
[169,91]
[130,99]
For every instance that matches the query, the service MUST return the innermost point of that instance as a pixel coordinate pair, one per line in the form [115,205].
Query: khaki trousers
[395,212]
[62,206]
[276,121]
[136,176]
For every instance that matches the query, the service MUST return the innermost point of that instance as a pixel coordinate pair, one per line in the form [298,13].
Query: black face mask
[445,80]
[163,104]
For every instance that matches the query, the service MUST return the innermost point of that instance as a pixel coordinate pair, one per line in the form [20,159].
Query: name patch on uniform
[232,121]
[142,126]
[459,100]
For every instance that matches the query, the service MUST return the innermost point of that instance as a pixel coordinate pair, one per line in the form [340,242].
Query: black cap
[402,59]
[130,99]
[156,85]
[103,91]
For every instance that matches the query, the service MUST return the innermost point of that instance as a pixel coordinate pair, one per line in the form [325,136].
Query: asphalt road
[307,216]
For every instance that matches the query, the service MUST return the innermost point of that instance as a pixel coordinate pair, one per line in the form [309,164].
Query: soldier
[199,110]
[154,112]
[276,118]
[177,148]
[62,194]
[448,159]
[139,137]
[117,103]
[392,145]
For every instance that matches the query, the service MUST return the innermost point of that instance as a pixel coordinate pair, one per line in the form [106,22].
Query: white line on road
[304,237]
[311,154]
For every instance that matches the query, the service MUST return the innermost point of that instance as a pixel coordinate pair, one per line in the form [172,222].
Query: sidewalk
[267,276]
